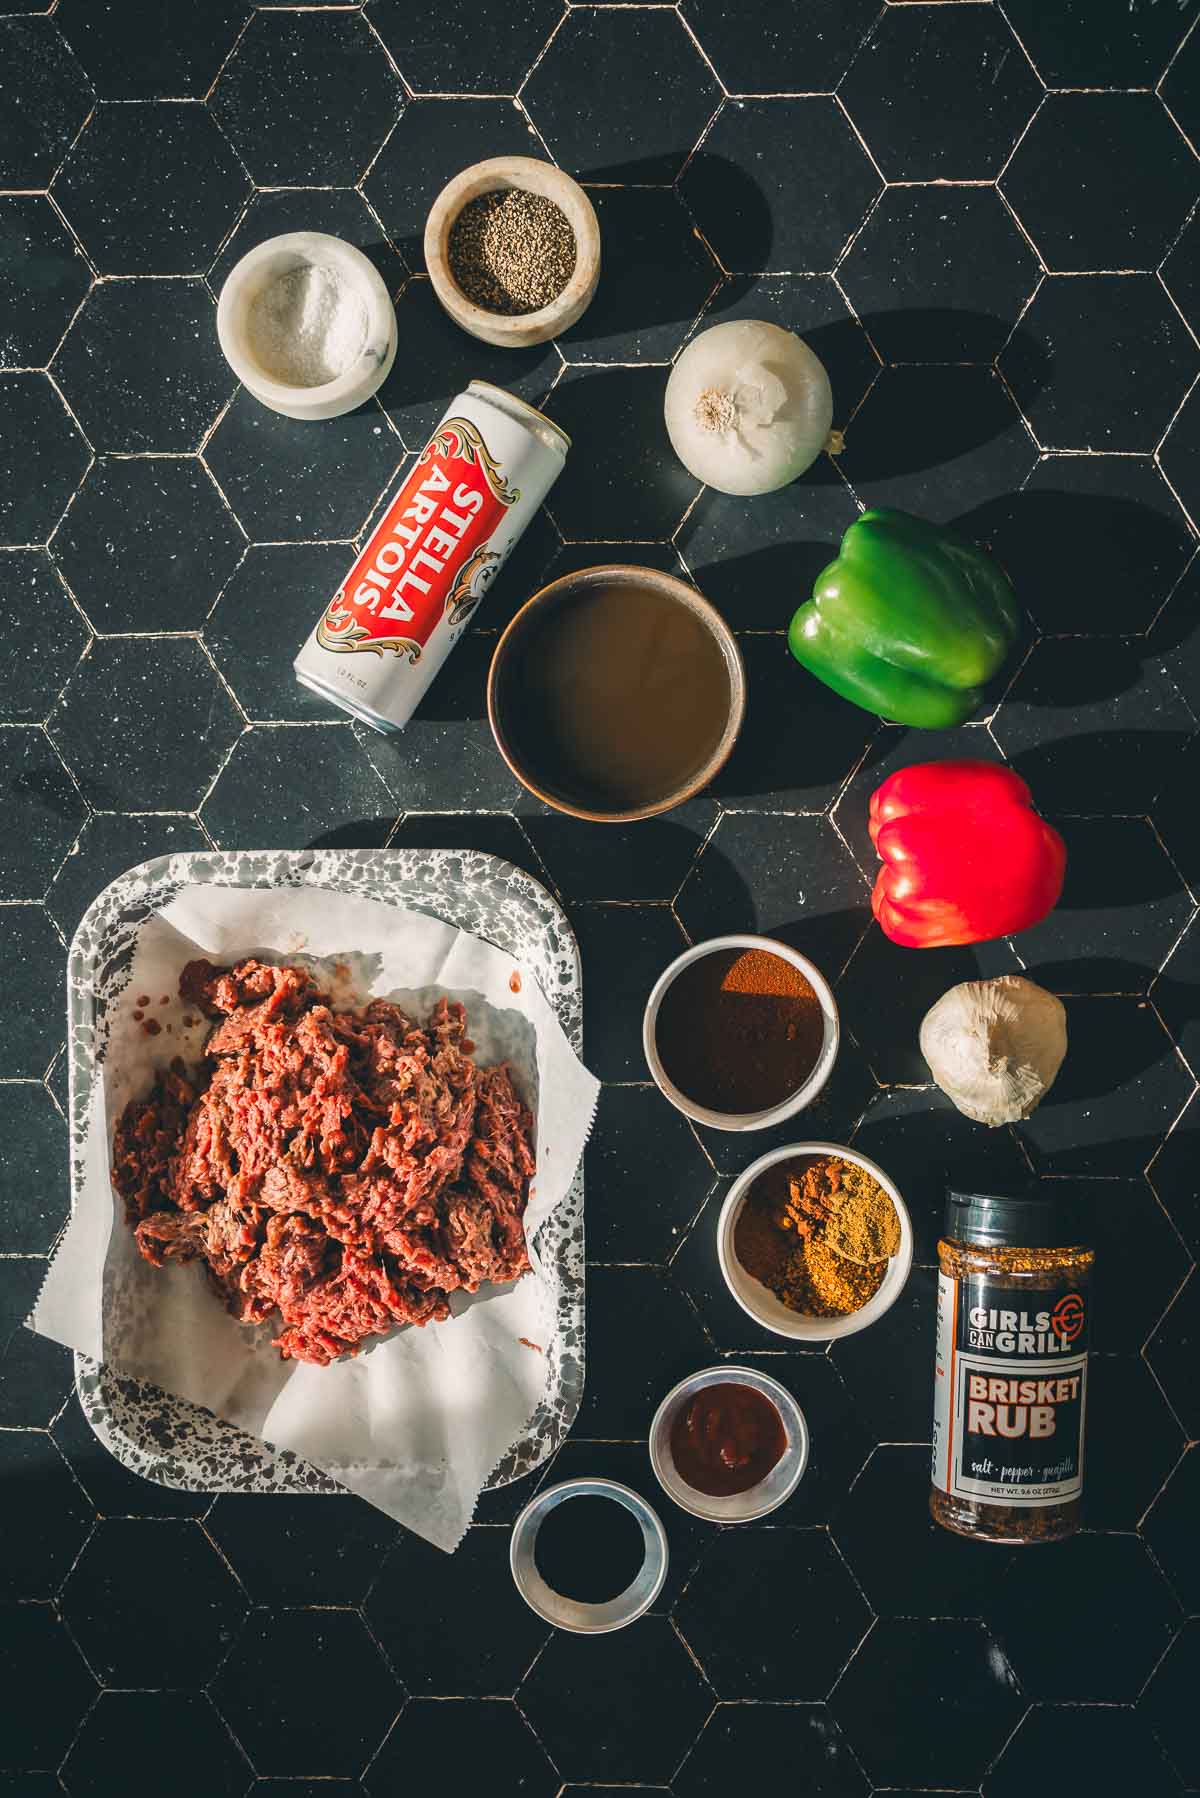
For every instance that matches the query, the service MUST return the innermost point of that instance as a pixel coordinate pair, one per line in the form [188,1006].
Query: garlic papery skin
[995,1046]
[748,407]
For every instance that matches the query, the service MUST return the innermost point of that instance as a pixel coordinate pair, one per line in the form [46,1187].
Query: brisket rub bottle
[1010,1381]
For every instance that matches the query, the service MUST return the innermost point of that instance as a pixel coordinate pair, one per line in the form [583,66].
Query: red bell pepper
[965,856]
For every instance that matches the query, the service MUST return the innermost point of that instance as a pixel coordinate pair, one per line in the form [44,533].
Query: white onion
[748,407]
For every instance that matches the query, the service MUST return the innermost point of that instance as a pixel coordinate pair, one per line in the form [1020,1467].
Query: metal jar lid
[1024,1217]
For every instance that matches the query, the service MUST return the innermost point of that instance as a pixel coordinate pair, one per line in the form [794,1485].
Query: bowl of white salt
[307,324]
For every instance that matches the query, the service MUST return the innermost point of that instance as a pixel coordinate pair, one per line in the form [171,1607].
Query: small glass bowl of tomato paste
[753,1417]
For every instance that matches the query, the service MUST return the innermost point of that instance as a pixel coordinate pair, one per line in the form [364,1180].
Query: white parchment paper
[415,1423]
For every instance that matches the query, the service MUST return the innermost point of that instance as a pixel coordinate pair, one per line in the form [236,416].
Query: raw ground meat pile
[346,1169]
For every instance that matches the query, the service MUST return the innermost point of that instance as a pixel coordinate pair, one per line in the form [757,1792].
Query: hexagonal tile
[1119,1091]
[1123,1615]
[1181,271]
[939,274]
[659,95]
[1102,1748]
[626,948]
[646,229]
[33,954]
[767,49]
[48,1516]
[1125,1220]
[642,495]
[141,366]
[1100,362]
[251,639]
[127,56]
[147,544]
[1080,181]
[919,1138]
[647,1177]
[128,1625]
[1169,1701]
[1132,1444]
[40,813]
[478,48]
[491,1742]
[287,483]
[113,1488]
[1169,1527]
[584,1688]
[1170,1351]
[783,1743]
[32,1785]
[1174,1174]
[888,1370]
[42,457]
[897,1668]
[142,726]
[339,211]
[179,1729]
[322,124]
[107,846]
[440,1659]
[30,588]
[300,786]
[644,1336]
[32,1169]
[151,189]
[35,1373]
[305,1788]
[646,861]
[755,215]
[307,1692]
[937,441]
[814,307]
[1174,812]
[432,137]
[793,881]
[747,1614]
[44,99]
[913,980]
[1180,455]
[1073,44]
[940,93]
[1175,634]
[493,833]
[298,1552]
[902,1567]
[38,1657]
[43,277]
[1179,87]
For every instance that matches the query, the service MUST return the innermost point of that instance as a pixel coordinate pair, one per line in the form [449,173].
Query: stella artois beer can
[439,546]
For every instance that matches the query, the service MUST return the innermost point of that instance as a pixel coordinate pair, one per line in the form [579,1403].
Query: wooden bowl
[515,331]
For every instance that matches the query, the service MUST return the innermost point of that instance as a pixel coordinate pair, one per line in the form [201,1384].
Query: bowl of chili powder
[741,1032]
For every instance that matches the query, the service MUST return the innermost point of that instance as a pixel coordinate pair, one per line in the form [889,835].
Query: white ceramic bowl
[262,266]
[569,1613]
[760,1302]
[774,1114]
[741,1507]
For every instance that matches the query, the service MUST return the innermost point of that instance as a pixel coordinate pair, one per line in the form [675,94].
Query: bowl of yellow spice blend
[814,1241]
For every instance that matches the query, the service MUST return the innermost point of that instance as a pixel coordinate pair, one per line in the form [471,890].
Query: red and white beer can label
[430,560]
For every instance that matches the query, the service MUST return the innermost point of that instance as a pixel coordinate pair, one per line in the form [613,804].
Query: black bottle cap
[1023,1217]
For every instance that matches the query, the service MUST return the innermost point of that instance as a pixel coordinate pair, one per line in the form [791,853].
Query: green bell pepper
[910,621]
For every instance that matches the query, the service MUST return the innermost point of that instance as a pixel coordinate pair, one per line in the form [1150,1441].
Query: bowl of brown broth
[616,693]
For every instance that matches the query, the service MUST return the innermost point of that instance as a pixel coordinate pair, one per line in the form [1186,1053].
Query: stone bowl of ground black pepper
[589,1556]
[741,1032]
[513,250]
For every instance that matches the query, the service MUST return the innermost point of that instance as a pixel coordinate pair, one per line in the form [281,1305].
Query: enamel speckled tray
[168,1439]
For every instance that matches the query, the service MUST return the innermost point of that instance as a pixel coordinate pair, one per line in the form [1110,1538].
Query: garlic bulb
[995,1046]
[748,407]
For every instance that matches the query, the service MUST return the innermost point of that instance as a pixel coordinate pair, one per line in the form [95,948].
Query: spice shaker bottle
[1010,1379]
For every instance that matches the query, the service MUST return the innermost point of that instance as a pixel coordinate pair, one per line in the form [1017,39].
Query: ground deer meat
[341,1171]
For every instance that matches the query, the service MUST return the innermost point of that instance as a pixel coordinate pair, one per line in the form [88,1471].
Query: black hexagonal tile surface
[1100,362]
[493,1749]
[43,277]
[644,491]
[915,979]
[129,1626]
[297,1552]
[1179,87]
[307,98]
[44,99]
[1181,270]
[270,604]
[627,947]
[887,1369]
[1180,456]
[1101,1746]
[878,1701]
[784,1743]
[647,229]
[299,786]
[1168,1528]
[32,952]
[1072,45]
[47,1514]
[31,1157]
[179,1729]
[1126,1219]
[43,458]
[584,1688]
[659,95]
[38,1657]
[147,544]
[30,587]
[754,214]
[141,366]
[129,57]
[1133,1441]
[1169,1352]
[107,845]
[480,46]
[766,49]
[35,1373]
[647,861]
[799,741]
[940,93]
[307,1692]
[730,1614]
[645,1337]
[647,1176]
[151,189]
[144,726]
[40,813]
